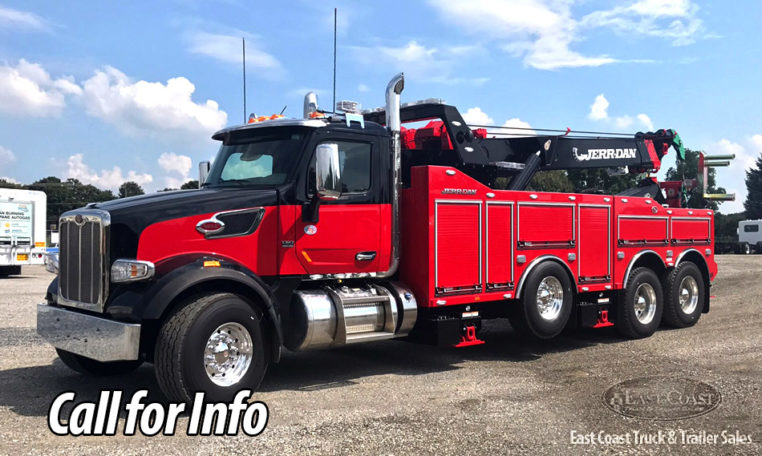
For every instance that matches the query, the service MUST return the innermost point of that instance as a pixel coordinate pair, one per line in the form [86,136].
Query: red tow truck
[342,228]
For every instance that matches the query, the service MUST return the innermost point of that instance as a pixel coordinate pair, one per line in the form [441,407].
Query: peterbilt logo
[604,154]
[459,191]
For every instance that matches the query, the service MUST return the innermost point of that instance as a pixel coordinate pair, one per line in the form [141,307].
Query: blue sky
[114,91]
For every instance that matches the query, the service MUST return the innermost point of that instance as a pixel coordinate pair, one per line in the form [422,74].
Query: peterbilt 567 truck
[343,228]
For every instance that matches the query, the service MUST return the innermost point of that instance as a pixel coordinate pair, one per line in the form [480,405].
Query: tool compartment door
[499,245]
[594,239]
[690,230]
[457,245]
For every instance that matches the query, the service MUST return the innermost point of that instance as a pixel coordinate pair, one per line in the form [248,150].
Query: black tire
[526,317]
[685,278]
[627,322]
[745,248]
[179,355]
[6,271]
[93,368]
[758,248]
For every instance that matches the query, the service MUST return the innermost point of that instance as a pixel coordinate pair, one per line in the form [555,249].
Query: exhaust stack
[310,104]
[393,123]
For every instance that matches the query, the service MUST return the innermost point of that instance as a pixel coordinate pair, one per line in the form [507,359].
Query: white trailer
[22,229]
[750,236]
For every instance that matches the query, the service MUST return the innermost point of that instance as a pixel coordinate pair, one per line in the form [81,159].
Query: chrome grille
[83,260]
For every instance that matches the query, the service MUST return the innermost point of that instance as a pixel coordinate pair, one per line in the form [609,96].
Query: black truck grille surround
[83,259]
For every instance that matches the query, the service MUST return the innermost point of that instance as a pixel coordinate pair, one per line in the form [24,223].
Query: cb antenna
[243,44]
[334,59]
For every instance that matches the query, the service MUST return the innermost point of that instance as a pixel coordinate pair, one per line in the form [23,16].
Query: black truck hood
[137,212]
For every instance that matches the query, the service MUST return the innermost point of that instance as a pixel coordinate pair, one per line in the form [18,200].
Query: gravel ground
[505,397]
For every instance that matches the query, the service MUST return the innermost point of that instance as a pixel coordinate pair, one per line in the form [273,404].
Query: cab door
[347,237]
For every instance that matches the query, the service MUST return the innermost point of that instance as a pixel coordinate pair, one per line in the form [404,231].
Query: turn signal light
[131,270]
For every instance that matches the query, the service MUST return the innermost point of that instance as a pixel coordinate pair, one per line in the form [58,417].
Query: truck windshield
[263,157]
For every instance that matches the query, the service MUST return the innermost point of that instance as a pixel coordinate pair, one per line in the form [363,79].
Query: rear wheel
[214,344]
[546,302]
[640,306]
[745,248]
[95,368]
[685,295]
[9,270]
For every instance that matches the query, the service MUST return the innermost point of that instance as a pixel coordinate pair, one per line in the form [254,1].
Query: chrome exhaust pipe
[310,104]
[393,123]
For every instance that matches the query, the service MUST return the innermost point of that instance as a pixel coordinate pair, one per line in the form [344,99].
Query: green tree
[67,195]
[753,203]
[8,184]
[551,181]
[725,226]
[190,185]
[601,180]
[130,188]
[688,170]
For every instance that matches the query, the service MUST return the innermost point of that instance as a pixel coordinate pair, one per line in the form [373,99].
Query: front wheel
[685,295]
[214,344]
[93,368]
[745,248]
[640,306]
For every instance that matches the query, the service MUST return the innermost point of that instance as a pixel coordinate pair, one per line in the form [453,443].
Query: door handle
[365,256]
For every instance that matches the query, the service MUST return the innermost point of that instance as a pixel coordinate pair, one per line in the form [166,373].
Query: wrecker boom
[486,155]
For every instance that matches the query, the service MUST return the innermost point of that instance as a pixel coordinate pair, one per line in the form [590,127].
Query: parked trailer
[22,229]
[345,228]
[749,237]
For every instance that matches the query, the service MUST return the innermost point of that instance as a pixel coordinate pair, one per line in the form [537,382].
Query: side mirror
[203,172]
[328,171]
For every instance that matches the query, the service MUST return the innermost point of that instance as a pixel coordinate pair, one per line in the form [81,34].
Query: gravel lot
[505,397]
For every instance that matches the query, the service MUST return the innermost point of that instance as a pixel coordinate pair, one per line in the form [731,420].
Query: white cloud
[28,90]
[362,88]
[177,166]
[599,108]
[144,107]
[475,116]
[510,128]
[543,32]
[227,48]
[418,61]
[11,18]
[520,128]
[646,121]
[174,163]
[540,32]
[599,111]
[9,179]
[105,178]
[7,157]
[673,19]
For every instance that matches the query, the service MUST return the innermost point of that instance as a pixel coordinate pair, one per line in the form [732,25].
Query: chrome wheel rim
[645,303]
[688,294]
[550,298]
[228,354]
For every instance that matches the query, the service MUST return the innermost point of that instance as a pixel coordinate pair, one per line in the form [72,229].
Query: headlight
[51,262]
[131,270]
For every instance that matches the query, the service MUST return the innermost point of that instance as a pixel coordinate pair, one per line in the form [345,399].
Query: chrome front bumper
[92,337]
